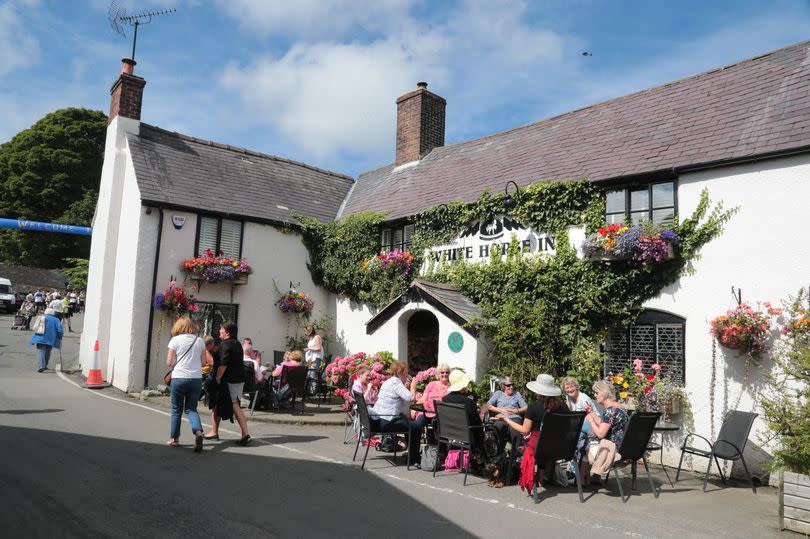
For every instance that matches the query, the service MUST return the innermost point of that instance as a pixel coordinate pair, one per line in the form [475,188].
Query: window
[396,238]
[654,202]
[219,235]
[212,315]
[656,337]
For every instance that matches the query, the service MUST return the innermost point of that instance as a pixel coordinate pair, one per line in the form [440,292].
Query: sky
[317,80]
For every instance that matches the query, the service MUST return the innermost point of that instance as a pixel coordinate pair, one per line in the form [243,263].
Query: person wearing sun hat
[457,394]
[548,399]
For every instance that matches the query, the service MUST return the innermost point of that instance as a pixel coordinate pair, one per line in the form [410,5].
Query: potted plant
[295,301]
[745,328]
[644,243]
[648,392]
[787,411]
[216,269]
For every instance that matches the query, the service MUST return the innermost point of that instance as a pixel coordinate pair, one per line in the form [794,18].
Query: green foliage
[76,271]
[338,249]
[541,313]
[787,407]
[50,172]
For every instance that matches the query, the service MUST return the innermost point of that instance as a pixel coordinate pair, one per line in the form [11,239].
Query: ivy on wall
[541,313]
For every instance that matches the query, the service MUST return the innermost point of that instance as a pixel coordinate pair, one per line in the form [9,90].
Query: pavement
[85,463]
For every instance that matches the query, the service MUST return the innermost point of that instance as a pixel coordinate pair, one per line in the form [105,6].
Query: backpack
[388,443]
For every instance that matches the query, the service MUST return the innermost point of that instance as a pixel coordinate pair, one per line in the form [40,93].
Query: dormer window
[396,238]
[656,202]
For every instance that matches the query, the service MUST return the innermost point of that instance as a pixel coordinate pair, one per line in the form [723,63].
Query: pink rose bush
[342,370]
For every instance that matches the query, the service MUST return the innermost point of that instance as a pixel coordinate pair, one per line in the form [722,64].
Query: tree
[50,172]
[77,271]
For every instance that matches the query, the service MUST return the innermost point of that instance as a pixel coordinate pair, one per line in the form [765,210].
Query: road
[81,463]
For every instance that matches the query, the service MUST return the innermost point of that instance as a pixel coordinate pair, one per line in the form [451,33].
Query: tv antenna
[117,15]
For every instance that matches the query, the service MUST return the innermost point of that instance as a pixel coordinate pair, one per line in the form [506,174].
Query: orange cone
[94,380]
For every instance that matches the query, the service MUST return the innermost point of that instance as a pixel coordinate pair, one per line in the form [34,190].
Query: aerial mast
[117,15]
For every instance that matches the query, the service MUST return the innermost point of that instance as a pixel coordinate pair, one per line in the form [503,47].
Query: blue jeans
[185,395]
[43,355]
[413,430]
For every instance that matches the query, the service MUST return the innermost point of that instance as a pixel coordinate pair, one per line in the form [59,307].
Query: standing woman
[49,339]
[231,371]
[314,350]
[185,357]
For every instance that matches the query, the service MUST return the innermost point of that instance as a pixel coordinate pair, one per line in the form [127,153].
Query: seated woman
[391,407]
[457,394]
[255,357]
[291,359]
[577,402]
[608,428]
[362,384]
[435,390]
[548,399]
[509,403]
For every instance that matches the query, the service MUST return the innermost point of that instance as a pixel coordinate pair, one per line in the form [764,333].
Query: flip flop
[173,443]
[243,440]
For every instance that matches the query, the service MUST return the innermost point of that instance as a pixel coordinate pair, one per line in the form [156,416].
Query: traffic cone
[94,380]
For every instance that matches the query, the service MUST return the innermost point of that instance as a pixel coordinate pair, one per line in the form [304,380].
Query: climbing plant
[541,313]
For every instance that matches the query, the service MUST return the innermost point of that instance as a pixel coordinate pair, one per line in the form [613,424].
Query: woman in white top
[314,349]
[392,403]
[185,358]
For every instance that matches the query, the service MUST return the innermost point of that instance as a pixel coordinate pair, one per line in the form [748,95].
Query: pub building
[741,131]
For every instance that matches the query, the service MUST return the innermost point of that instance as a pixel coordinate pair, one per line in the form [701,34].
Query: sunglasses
[445,372]
[508,385]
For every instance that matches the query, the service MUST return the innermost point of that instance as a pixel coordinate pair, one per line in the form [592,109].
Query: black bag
[430,453]
[388,443]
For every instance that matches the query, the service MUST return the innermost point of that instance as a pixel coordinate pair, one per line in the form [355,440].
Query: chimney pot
[128,66]
[420,124]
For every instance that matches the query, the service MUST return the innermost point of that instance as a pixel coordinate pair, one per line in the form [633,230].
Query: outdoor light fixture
[293,287]
[509,202]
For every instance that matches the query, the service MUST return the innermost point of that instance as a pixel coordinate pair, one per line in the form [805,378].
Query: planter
[603,257]
[239,279]
[794,502]
[673,408]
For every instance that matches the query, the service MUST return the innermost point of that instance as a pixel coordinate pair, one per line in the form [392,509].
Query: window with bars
[219,235]
[396,238]
[656,202]
[656,337]
[212,315]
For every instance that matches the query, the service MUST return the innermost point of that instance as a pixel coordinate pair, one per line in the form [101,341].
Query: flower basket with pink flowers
[745,328]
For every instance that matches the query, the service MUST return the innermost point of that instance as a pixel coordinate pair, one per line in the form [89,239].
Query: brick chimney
[420,124]
[127,93]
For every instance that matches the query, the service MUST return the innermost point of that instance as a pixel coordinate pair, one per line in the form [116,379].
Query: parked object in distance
[8,303]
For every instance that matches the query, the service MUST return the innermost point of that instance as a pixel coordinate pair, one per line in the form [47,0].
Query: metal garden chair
[634,446]
[730,445]
[559,435]
[369,428]
[455,431]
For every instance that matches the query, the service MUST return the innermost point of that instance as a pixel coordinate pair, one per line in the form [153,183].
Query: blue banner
[20,224]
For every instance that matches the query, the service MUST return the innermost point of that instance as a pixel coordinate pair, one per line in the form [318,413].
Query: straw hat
[545,386]
[458,380]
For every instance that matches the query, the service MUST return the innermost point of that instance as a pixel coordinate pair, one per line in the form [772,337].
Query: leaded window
[212,315]
[656,337]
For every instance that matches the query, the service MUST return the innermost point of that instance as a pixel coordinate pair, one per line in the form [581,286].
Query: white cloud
[18,46]
[334,98]
[323,19]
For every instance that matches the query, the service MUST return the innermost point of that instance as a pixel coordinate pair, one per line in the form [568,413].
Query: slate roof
[24,278]
[445,297]
[185,172]
[755,107]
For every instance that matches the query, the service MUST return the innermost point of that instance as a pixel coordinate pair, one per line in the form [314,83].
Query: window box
[608,257]
[644,243]
[216,269]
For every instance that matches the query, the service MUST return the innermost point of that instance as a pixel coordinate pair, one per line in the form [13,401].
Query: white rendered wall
[104,244]
[275,257]
[392,336]
[762,252]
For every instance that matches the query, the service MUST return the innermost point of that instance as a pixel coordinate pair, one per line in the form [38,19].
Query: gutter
[151,308]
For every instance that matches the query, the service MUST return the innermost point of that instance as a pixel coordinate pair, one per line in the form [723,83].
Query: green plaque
[455,341]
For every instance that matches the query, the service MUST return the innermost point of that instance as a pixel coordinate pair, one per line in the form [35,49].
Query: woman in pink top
[291,359]
[362,384]
[433,391]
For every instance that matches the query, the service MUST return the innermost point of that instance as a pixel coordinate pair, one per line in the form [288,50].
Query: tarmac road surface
[79,463]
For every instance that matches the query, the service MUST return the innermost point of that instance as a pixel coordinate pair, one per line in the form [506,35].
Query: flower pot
[673,407]
[241,278]
[794,502]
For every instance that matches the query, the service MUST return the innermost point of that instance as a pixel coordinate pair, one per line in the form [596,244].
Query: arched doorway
[423,341]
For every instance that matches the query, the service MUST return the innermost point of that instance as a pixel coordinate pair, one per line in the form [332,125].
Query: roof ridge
[613,99]
[239,149]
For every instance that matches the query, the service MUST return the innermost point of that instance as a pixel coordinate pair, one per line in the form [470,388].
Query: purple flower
[627,242]
[669,235]
[157,301]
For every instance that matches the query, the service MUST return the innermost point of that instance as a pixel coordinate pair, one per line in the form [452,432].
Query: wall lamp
[509,201]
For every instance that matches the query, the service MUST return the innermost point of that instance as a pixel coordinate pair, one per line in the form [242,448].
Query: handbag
[430,454]
[167,378]
[39,325]
[457,460]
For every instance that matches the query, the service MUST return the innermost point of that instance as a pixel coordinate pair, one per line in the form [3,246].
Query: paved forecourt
[83,463]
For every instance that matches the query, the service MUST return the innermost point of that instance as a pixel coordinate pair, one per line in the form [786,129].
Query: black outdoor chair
[455,431]
[730,445]
[559,435]
[634,445]
[297,380]
[250,383]
[370,428]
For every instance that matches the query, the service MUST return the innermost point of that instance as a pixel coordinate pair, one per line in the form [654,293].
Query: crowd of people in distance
[516,421]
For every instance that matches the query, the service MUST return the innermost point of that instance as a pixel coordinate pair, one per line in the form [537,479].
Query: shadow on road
[70,485]
[24,412]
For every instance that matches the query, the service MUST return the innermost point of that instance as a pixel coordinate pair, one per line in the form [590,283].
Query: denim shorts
[236,391]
